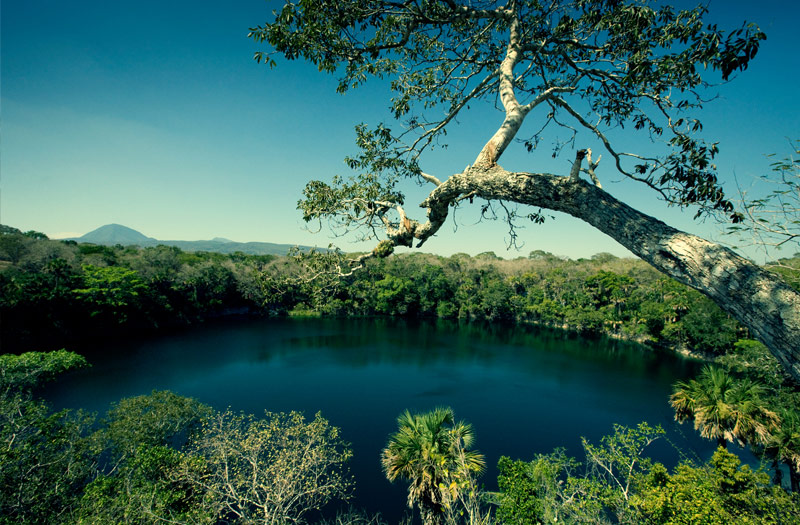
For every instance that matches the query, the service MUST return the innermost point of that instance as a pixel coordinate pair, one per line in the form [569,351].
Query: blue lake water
[525,390]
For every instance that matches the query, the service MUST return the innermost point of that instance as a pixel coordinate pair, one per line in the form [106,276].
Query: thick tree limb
[758,299]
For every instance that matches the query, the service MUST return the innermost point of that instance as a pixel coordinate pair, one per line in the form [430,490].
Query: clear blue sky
[154,115]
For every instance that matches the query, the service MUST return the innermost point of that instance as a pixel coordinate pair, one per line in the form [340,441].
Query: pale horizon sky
[154,115]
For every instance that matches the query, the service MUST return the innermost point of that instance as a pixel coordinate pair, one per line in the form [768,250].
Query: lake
[525,390]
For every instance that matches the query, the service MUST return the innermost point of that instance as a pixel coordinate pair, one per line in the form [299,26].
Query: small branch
[592,166]
[546,94]
[430,178]
[617,156]
[470,196]
[429,134]
[576,166]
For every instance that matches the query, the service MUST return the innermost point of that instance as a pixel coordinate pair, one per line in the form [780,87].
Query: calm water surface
[526,391]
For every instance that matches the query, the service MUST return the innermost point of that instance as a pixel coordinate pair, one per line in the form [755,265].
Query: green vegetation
[617,483]
[268,470]
[157,458]
[165,458]
[747,399]
[431,451]
[724,408]
[599,71]
[45,458]
[55,292]
[721,491]
[134,480]
[597,65]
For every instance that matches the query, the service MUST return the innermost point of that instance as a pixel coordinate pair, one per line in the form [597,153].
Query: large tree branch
[616,58]
[758,299]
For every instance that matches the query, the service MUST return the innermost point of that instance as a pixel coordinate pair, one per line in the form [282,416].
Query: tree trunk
[777,477]
[431,513]
[758,299]
[794,477]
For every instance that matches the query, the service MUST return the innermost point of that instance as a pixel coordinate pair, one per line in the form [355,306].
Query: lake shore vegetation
[55,293]
[594,66]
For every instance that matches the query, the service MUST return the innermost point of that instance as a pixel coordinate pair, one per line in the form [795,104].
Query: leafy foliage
[45,457]
[603,295]
[596,64]
[618,463]
[724,408]
[771,220]
[143,491]
[269,470]
[150,460]
[163,457]
[138,443]
[620,484]
[722,491]
[111,288]
[58,292]
[20,374]
[531,492]
[751,360]
[156,419]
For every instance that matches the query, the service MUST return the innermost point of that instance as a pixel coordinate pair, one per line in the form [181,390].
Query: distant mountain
[113,234]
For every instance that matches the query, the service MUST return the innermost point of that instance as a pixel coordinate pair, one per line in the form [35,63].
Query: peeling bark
[758,299]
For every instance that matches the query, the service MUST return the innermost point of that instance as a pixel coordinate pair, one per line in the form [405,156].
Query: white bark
[515,112]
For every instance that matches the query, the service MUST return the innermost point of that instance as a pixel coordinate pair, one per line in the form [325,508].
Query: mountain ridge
[113,234]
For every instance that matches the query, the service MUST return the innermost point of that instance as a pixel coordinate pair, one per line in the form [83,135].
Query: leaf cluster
[620,484]
[724,408]
[613,64]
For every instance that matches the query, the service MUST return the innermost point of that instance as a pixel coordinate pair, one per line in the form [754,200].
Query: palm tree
[430,450]
[724,408]
[784,445]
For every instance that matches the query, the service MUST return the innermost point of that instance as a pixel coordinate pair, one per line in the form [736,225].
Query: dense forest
[54,291]
[163,458]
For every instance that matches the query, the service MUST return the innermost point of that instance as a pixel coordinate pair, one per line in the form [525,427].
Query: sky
[154,115]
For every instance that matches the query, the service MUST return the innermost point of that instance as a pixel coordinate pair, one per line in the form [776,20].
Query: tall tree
[584,67]
[430,450]
[784,445]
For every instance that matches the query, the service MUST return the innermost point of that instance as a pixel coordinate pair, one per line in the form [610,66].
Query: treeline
[164,458]
[52,292]
[600,295]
